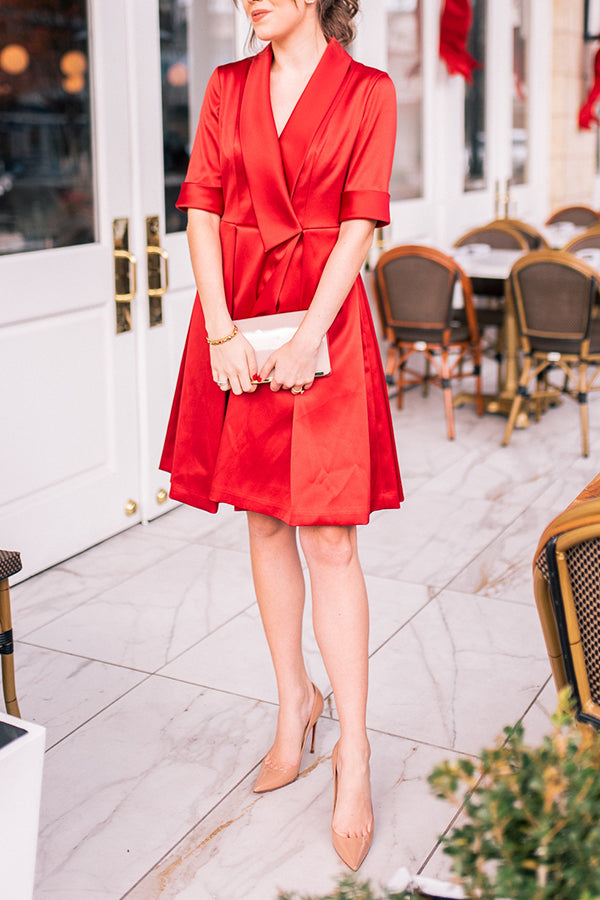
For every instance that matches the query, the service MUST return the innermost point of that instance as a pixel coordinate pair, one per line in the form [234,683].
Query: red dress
[326,457]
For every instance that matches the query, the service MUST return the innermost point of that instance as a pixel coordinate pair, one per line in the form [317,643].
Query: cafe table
[494,264]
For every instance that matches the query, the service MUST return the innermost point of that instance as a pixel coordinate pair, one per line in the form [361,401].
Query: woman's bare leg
[279,586]
[341,623]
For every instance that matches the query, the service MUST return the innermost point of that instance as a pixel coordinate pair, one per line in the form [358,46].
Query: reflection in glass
[520,137]
[46,176]
[475,131]
[184,63]
[404,59]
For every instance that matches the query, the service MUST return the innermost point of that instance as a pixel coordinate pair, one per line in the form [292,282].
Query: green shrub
[531,819]
[350,889]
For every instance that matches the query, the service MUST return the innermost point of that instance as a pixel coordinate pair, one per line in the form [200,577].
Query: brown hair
[335,20]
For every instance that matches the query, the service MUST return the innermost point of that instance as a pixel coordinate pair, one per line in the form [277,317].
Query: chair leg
[583,410]
[516,404]
[6,651]
[447,396]
[426,377]
[477,359]
[499,356]
[400,383]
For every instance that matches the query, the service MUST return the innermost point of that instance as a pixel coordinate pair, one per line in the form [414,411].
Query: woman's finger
[221,381]
[236,387]
[246,383]
[267,369]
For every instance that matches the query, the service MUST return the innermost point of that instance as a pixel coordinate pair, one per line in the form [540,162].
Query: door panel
[70,461]
[191,38]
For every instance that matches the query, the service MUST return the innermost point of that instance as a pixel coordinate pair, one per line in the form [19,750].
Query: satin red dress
[325,457]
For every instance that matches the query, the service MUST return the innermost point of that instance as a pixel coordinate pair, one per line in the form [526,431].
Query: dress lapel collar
[262,157]
[311,108]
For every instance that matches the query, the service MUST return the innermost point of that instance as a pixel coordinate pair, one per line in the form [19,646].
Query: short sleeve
[202,188]
[366,190]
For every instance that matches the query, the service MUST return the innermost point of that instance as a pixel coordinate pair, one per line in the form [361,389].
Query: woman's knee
[329,545]
[262,527]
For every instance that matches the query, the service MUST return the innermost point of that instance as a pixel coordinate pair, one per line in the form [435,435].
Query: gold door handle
[157,287]
[125,274]
[129,276]
[154,271]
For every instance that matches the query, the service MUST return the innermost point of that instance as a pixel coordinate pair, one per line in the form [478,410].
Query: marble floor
[145,660]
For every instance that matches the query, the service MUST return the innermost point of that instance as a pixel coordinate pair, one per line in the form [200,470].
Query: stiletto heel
[272,777]
[351,850]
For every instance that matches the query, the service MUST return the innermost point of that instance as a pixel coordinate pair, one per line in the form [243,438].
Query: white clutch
[268,333]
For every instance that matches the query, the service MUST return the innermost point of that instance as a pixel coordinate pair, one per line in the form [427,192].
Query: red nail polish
[256,378]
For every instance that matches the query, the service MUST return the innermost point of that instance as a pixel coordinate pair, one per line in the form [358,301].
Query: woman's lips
[259,14]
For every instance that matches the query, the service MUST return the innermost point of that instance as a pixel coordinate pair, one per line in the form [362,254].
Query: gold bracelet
[223,340]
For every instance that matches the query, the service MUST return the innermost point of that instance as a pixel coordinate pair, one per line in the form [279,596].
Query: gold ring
[297,390]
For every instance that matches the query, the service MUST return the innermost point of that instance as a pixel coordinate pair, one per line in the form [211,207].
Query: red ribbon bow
[587,116]
[455,24]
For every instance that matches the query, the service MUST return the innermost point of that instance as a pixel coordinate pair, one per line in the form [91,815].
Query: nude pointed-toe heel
[351,850]
[272,777]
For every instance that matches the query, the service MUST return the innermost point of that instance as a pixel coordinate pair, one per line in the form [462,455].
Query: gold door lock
[155,256]
[130,508]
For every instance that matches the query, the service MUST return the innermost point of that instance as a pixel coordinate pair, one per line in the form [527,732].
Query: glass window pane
[46,172]
[520,137]
[475,133]
[404,58]
[188,55]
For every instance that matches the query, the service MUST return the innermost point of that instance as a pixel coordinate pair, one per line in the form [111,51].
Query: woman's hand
[292,366]
[234,365]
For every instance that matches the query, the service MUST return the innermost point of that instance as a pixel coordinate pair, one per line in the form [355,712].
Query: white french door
[95,282]
[69,459]
[500,170]
[451,175]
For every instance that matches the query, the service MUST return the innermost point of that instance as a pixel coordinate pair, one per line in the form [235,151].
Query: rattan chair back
[534,239]
[417,286]
[566,579]
[589,240]
[553,294]
[496,234]
[579,214]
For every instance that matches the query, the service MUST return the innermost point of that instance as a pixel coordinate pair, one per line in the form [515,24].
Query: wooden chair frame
[554,596]
[538,364]
[437,353]
[6,652]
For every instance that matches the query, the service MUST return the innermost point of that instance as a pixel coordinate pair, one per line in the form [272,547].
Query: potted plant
[531,823]
[349,888]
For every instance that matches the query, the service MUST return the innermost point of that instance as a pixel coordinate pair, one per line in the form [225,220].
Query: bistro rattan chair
[534,239]
[589,240]
[579,214]
[416,286]
[553,293]
[496,234]
[10,564]
[566,584]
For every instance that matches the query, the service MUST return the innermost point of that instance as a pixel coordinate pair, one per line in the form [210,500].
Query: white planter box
[21,763]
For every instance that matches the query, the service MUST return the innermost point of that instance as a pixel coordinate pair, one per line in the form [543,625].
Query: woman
[288,177]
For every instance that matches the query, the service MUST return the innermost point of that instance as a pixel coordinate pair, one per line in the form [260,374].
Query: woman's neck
[300,51]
